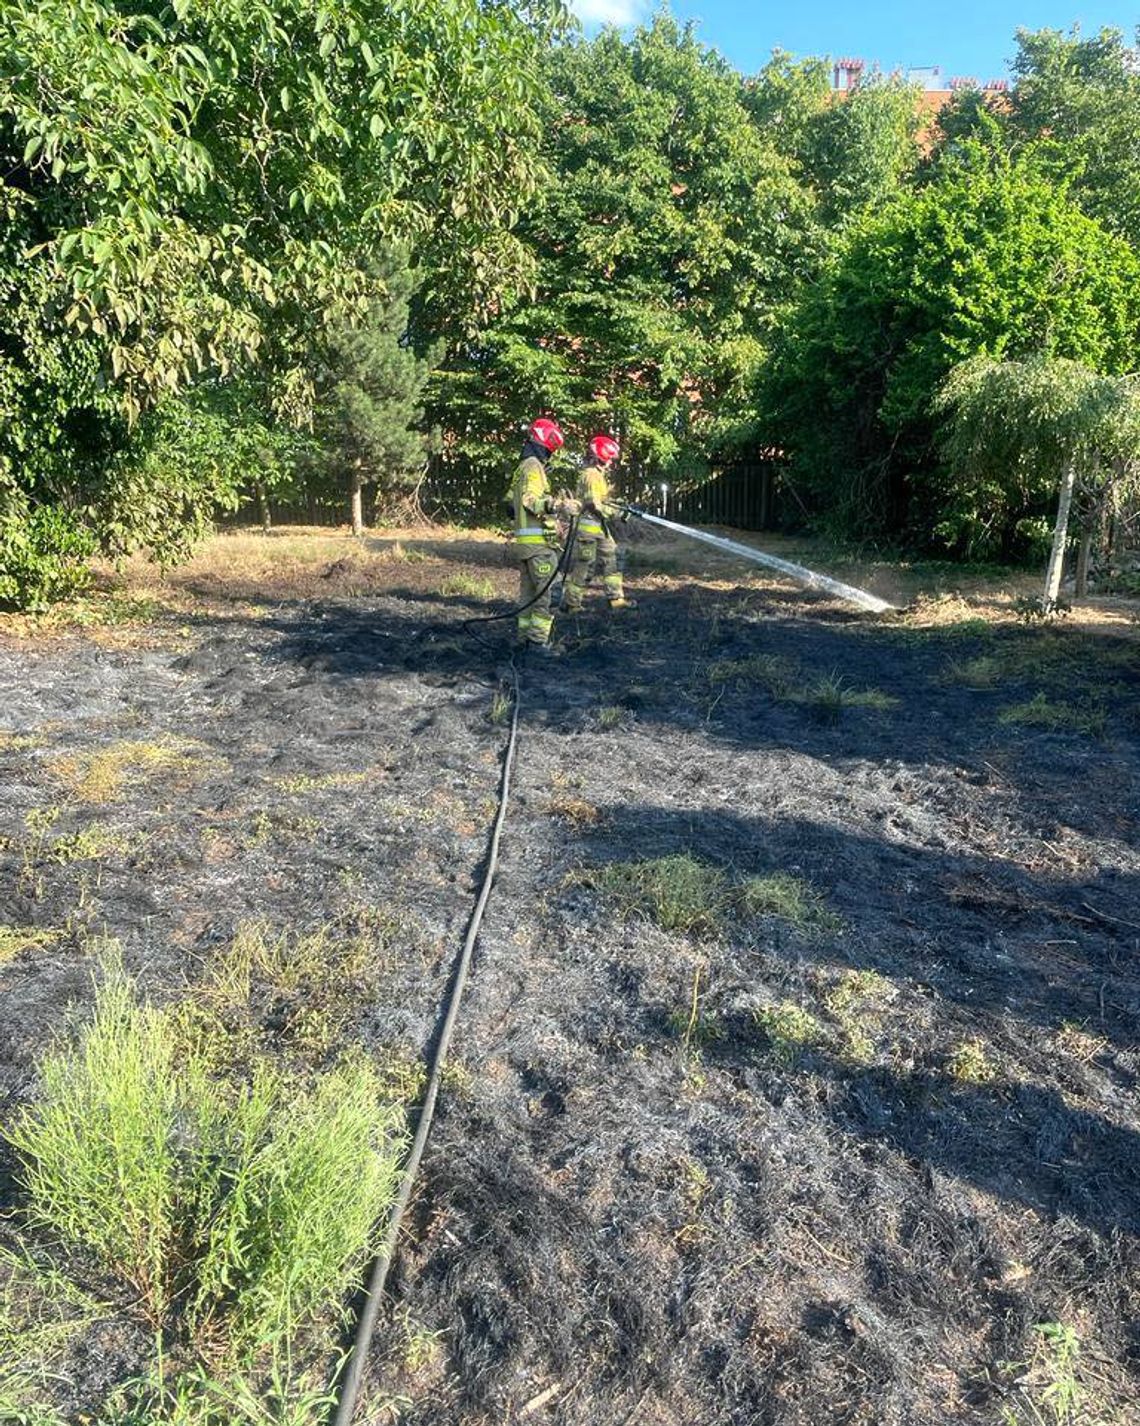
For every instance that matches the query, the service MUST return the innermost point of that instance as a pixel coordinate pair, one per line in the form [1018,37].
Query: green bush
[42,555]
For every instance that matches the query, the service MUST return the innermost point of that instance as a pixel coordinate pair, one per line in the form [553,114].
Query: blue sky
[966,37]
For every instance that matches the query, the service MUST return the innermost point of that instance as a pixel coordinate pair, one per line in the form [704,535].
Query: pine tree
[369,408]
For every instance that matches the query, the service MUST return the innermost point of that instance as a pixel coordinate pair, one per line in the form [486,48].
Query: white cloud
[608,12]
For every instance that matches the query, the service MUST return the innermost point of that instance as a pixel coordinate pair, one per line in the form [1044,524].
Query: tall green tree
[1083,95]
[991,257]
[851,148]
[669,237]
[194,189]
[370,397]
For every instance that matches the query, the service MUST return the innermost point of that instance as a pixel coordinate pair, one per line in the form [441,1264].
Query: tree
[668,240]
[193,190]
[990,257]
[1026,429]
[1083,95]
[369,392]
[857,152]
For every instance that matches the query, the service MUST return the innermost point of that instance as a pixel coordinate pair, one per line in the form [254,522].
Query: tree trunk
[356,489]
[1060,535]
[1084,552]
[262,506]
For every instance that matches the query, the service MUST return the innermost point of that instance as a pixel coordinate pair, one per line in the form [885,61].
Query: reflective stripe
[530,530]
[590,529]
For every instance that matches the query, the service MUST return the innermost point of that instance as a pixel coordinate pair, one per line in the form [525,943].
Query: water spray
[798,572]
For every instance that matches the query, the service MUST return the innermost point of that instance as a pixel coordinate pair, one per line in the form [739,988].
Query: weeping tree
[1027,429]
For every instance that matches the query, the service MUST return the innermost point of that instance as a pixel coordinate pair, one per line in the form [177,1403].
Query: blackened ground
[632,1212]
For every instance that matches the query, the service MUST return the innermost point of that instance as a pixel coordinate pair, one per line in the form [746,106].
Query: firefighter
[595,549]
[537,547]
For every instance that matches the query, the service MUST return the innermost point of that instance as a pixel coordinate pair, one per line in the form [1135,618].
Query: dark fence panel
[743,497]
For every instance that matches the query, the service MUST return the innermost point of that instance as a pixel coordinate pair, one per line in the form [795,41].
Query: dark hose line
[559,568]
[350,1386]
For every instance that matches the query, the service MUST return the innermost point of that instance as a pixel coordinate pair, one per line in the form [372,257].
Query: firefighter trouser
[593,554]
[536,573]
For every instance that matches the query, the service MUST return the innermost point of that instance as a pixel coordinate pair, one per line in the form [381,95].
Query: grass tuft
[678,893]
[788,1029]
[467,586]
[1055,716]
[502,703]
[784,680]
[787,897]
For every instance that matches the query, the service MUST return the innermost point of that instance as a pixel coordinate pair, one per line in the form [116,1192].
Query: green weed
[90,843]
[1056,717]
[788,1029]
[467,586]
[420,1346]
[610,715]
[501,705]
[695,1028]
[1050,1392]
[854,1001]
[1060,1392]
[970,1064]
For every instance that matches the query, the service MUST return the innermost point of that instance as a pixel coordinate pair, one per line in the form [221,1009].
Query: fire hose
[357,1358]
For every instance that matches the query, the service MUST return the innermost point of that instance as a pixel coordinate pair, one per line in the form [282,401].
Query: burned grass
[796,1082]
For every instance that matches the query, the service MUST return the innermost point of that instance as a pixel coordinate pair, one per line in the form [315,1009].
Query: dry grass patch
[301,783]
[104,775]
[575,810]
[14,940]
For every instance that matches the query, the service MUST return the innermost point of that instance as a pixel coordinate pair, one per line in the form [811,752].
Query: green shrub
[42,556]
[239,1209]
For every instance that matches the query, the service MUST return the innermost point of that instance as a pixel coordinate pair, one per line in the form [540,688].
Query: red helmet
[547,433]
[604,448]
